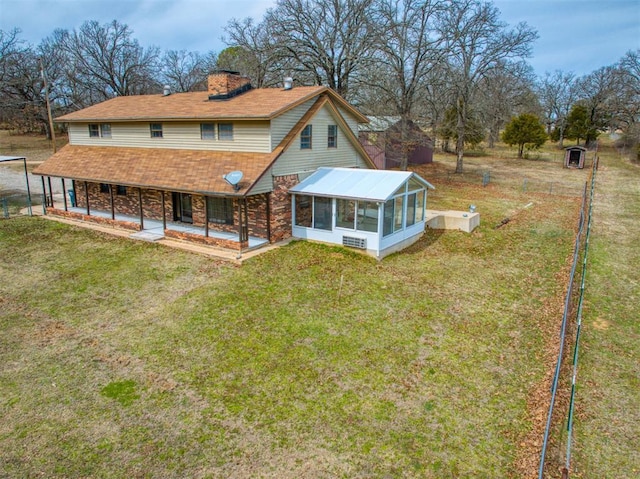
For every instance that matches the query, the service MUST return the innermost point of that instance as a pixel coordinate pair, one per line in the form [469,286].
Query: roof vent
[166,90]
[288,83]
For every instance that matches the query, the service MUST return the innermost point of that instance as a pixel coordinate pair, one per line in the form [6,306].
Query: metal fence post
[486,177]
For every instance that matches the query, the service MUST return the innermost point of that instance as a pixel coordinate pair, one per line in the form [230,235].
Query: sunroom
[379,211]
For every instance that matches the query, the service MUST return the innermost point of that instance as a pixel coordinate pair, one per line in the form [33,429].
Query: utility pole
[46,96]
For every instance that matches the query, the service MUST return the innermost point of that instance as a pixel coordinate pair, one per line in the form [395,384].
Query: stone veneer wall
[124,204]
[152,207]
[281,207]
[127,225]
[194,238]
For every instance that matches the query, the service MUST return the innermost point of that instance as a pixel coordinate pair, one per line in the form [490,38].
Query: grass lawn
[127,359]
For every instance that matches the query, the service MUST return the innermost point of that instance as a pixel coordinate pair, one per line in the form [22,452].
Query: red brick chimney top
[226,84]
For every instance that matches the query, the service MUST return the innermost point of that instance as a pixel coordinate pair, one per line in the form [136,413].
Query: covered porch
[149,227]
[155,230]
[161,193]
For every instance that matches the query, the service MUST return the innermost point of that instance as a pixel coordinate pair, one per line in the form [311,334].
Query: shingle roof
[176,170]
[263,103]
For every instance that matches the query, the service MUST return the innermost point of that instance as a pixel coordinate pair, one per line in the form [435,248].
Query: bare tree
[330,41]
[557,92]
[597,94]
[504,93]
[253,51]
[477,42]
[108,61]
[408,49]
[184,71]
[22,71]
[627,92]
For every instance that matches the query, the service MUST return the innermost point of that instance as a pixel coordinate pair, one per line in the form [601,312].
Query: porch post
[269,217]
[50,191]
[64,194]
[164,213]
[141,211]
[206,217]
[240,223]
[246,220]
[26,177]
[86,196]
[44,197]
[111,202]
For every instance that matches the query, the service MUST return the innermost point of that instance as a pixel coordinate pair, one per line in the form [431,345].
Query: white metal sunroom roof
[373,185]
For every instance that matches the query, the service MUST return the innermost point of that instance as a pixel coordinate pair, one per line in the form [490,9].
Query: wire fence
[20,193]
[573,303]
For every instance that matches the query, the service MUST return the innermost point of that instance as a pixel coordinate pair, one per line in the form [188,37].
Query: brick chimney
[226,84]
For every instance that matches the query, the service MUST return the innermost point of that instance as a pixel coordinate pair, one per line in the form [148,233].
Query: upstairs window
[121,190]
[104,188]
[100,130]
[225,131]
[332,136]
[105,130]
[207,131]
[156,130]
[305,138]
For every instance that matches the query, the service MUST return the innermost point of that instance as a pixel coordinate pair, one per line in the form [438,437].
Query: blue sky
[575,35]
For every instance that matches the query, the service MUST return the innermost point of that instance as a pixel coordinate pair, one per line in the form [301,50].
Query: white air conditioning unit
[354,242]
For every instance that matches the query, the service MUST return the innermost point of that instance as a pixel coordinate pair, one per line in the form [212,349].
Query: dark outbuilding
[574,156]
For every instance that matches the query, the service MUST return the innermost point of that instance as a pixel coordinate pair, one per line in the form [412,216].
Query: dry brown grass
[433,363]
[36,148]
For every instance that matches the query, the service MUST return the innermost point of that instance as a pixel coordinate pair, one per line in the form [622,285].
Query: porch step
[146,236]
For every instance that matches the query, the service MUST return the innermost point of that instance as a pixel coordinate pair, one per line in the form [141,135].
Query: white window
[305,138]
[105,130]
[332,136]
[207,131]
[225,131]
[156,130]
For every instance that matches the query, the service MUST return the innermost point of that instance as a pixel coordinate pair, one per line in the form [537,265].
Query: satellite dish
[233,179]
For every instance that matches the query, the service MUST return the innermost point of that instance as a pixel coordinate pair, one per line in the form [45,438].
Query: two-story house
[213,167]
[165,157]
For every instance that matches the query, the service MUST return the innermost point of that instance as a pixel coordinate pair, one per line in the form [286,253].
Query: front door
[182,208]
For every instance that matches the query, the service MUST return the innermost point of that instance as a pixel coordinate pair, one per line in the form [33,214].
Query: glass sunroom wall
[387,218]
[303,210]
[398,213]
[411,209]
[368,216]
[322,213]
[345,213]
[421,197]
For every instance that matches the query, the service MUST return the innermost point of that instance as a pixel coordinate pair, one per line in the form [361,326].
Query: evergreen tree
[526,131]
